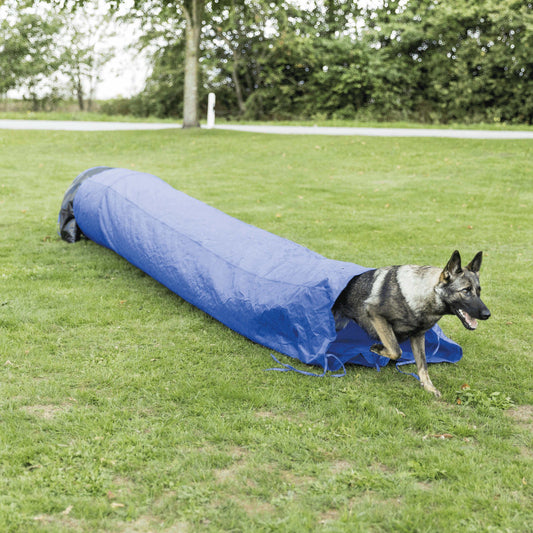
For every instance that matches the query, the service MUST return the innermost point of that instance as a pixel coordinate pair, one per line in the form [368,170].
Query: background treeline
[422,60]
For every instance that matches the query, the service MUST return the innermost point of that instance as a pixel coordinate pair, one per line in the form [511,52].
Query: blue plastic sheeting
[267,288]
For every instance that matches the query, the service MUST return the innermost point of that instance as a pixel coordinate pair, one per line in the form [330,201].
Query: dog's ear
[453,268]
[475,264]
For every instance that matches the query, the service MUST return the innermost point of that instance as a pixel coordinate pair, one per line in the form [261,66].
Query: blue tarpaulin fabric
[267,288]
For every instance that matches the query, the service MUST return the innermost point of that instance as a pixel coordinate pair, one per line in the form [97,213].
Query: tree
[270,60]
[40,46]
[236,32]
[159,12]
[28,51]
[191,11]
[162,95]
[194,11]
[83,55]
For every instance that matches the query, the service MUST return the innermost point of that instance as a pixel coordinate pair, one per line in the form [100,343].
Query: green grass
[123,408]
[501,126]
[78,116]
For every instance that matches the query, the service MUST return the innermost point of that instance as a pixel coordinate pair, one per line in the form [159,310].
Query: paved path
[73,125]
[383,132]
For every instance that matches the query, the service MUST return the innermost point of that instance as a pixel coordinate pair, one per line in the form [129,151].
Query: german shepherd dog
[396,303]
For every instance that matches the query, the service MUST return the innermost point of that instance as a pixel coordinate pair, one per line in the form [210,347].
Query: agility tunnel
[271,290]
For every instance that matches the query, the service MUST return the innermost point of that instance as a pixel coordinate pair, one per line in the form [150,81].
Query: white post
[211,110]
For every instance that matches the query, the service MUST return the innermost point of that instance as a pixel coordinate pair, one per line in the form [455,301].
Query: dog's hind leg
[389,347]
[418,345]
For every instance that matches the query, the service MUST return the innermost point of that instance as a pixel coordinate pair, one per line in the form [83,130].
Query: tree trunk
[79,92]
[193,14]
[236,81]
[235,72]
[238,90]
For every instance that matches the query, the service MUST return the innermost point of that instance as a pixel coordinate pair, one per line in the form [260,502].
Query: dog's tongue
[472,322]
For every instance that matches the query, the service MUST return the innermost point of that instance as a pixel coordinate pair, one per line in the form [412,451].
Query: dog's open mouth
[466,319]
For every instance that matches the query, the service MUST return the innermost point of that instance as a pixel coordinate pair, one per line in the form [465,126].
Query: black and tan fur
[396,303]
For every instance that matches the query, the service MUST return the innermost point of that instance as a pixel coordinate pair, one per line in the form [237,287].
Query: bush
[117,106]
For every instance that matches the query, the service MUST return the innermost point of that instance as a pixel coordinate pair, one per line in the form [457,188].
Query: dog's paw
[429,387]
[381,350]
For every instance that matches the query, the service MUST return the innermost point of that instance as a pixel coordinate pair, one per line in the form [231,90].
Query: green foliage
[27,51]
[305,77]
[421,60]
[163,94]
[479,398]
[430,61]
[446,61]
[41,47]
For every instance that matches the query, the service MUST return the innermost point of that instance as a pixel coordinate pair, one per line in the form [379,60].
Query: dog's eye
[467,290]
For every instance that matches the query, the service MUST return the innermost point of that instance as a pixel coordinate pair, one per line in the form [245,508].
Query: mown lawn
[123,408]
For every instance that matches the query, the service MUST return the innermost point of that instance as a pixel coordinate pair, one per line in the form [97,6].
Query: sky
[124,75]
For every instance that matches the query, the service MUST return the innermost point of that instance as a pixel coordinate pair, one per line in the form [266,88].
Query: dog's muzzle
[469,322]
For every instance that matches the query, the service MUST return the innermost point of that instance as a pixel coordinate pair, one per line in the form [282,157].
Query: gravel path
[383,132]
[72,125]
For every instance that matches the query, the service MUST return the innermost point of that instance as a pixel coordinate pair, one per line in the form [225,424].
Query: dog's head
[459,289]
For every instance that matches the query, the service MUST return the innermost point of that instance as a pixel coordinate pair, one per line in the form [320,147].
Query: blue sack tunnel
[269,289]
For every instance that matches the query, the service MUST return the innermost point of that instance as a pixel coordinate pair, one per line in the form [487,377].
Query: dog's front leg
[389,347]
[418,345]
